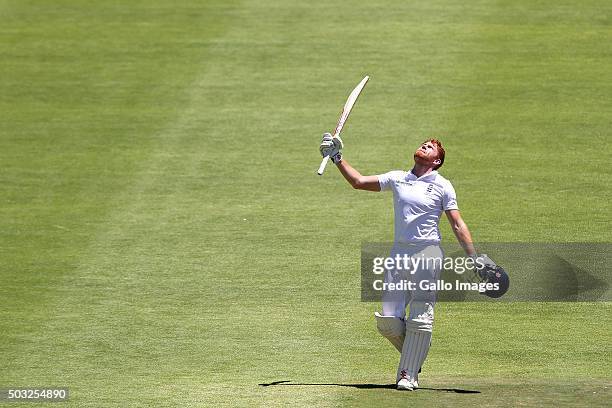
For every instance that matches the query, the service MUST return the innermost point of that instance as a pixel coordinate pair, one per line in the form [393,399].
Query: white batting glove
[331,146]
[483,260]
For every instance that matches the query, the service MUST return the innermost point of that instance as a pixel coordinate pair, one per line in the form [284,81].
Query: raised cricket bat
[346,111]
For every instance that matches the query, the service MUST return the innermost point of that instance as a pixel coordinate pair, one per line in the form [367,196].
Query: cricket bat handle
[322,166]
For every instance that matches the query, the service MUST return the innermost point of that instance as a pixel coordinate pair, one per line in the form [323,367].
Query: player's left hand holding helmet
[488,271]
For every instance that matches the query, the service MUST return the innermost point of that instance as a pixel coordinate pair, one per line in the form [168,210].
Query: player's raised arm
[369,183]
[332,146]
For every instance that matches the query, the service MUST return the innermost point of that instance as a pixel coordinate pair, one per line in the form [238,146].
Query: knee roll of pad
[390,325]
[421,316]
[393,328]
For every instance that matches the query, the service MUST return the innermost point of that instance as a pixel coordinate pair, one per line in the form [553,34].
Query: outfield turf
[164,238]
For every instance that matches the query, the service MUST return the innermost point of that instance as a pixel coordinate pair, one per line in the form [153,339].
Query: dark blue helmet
[494,274]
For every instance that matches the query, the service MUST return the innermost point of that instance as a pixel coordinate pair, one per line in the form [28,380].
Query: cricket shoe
[406,383]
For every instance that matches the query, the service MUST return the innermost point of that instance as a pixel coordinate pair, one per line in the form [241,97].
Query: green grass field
[164,238]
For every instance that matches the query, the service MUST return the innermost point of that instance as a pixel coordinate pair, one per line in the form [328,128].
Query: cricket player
[420,195]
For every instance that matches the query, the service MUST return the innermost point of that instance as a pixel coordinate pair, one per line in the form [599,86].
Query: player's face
[427,153]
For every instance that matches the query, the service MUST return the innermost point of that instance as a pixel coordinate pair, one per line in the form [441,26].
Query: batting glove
[331,146]
[483,259]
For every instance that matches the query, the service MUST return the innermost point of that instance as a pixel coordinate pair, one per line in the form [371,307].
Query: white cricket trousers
[428,260]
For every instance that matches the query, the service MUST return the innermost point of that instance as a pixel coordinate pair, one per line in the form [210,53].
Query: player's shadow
[366,386]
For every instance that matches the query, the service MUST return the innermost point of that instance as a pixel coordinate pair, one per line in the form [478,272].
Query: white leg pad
[418,339]
[393,328]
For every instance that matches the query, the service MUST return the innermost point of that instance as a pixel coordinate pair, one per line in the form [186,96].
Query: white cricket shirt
[418,204]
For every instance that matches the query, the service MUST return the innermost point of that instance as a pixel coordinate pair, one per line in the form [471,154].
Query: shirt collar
[427,176]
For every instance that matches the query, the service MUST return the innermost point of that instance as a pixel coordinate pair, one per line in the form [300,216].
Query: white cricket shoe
[405,385]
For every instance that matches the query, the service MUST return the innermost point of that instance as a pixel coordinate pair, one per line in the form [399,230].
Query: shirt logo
[429,189]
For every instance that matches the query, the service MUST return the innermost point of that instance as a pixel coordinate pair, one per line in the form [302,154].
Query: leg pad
[419,325]
[393,328]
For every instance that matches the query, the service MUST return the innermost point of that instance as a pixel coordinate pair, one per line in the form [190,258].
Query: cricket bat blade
[346,111]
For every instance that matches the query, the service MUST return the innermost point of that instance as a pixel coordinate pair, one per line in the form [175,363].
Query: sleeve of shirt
[385,181]
[449,198]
